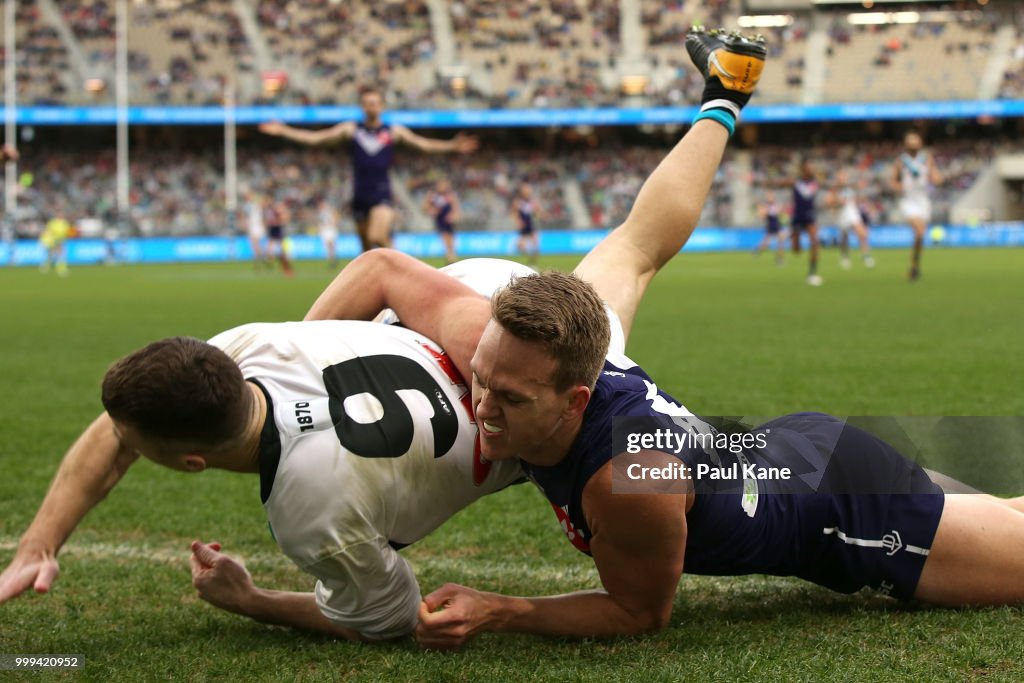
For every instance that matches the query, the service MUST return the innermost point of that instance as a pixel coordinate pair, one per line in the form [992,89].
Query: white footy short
[916,207]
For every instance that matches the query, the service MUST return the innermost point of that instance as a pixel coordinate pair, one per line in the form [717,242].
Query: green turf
[726,334]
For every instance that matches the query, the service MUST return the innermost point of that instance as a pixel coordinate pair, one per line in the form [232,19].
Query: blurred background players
[328,218]
[805,216]
[442,205]
[914,174]
[771,212]
[54,235]
[851,217]
[524,212]
[372,153]
[276,216]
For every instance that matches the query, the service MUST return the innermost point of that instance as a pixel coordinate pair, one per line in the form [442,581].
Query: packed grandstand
[486,54]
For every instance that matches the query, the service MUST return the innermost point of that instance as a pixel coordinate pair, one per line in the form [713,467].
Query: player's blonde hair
[565,315]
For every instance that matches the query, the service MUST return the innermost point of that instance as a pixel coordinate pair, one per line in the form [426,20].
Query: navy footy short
[361,206]
[773,226]
[275,233]
[801,223]
[445,228]
[870,524]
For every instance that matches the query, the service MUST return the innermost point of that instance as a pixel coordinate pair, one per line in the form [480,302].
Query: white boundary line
[469,567]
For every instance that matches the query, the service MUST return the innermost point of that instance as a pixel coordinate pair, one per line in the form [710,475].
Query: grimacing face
[517,408]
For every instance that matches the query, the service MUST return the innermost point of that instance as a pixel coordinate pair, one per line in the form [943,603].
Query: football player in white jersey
[255,229]
[361,434]
[913,176]
[328,218]
[851,217]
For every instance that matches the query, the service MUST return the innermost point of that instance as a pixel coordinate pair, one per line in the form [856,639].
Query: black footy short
[856,514]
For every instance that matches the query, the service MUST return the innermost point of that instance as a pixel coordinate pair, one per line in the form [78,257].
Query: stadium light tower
[230,156]
[121,79]
[10,110]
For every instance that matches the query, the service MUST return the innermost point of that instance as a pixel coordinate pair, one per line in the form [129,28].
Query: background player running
[372,152]
[442,205]
[805,216]
[276,216]
[851,217]
[771,212]
[328,218]
[914,174]
[524,212]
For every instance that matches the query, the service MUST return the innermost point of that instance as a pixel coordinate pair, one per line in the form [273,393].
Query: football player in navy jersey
[442,205]
[372,152]
[524,213]
[805,216]
[548,376]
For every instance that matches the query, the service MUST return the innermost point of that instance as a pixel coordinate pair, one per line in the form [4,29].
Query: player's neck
[244,456]
[372,123]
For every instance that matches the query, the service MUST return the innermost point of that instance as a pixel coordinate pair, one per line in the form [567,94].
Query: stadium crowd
[182,191]
[517,53]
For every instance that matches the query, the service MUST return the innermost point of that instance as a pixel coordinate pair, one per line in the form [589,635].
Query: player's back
[370,437]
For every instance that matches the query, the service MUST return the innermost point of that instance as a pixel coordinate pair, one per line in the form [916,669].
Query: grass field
[725,334]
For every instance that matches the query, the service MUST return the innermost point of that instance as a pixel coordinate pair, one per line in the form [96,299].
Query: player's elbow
[651,621]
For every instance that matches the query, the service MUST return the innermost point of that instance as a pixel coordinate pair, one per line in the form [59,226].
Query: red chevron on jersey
[575,536]
[481,467]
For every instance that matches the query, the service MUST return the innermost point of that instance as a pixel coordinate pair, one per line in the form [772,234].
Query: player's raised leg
[670,202]
[977,556]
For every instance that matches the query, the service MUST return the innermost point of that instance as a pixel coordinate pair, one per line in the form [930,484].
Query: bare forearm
[585,614]
[671,200]
[302,136]
[91,468]
[358,292]
[296,610]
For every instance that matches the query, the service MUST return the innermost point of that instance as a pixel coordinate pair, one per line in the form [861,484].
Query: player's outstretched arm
[336,133]
[91,468]
[670,202]
[461,143]
[638,545]
[425,299]
[224,582]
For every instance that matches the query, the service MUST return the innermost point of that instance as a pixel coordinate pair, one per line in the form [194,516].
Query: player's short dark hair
[365,90]
[179,389]
[564,314]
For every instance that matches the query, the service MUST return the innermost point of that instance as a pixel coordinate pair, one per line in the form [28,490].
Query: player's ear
[579,397]
[194,463]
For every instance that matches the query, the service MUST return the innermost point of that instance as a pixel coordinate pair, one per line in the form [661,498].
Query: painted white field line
[469,567]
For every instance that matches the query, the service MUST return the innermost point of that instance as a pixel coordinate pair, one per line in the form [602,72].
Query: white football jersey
[371,447]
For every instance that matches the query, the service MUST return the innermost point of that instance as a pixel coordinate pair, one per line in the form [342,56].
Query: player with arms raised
[372,152]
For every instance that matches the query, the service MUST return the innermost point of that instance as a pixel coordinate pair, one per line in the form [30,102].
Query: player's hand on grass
[451,616]
[464,144]
[220,579]
[31,567]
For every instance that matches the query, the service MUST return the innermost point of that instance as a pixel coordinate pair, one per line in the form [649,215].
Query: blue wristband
[722,116]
